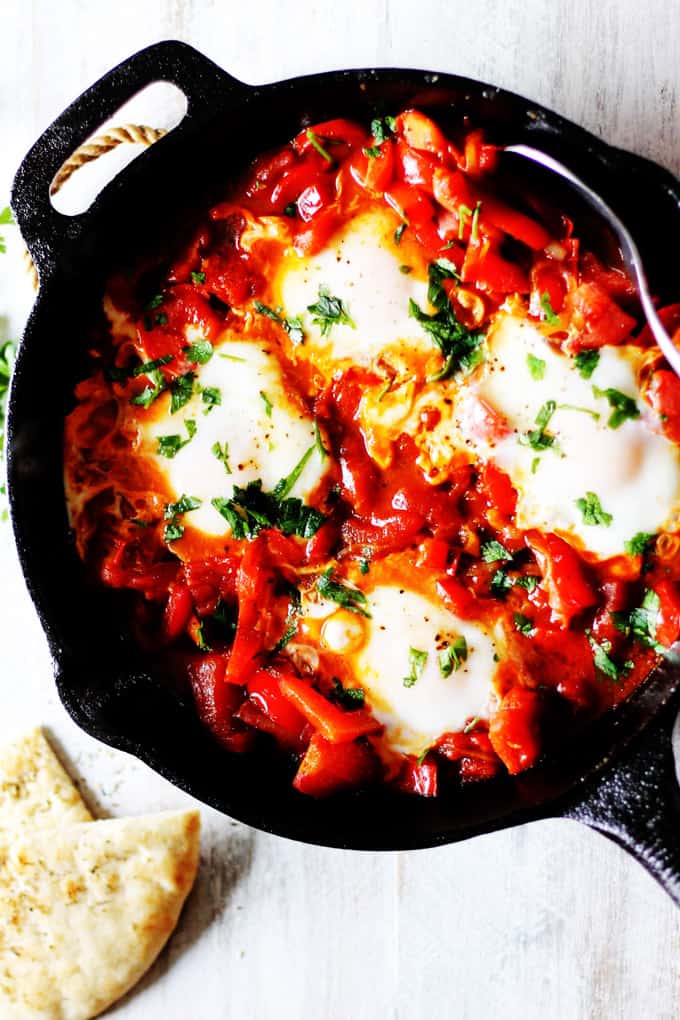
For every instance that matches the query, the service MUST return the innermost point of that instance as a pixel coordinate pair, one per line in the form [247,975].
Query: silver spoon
[629,249]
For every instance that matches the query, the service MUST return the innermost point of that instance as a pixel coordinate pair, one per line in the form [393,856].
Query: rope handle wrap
[136,134]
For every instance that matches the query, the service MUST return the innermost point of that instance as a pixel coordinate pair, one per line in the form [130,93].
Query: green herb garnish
[539,438]
[417,661]
[623,407]
[382,128]
[536,367]
[592,511]
[329,311]
[349,598]
[317,145]
[267,403]
[548,314]
[115,374]
[493,551]
[293,327]
[222,453]
[169,446]
[523,624]
[460,347]
[199,352]
[349,697]
[173,511]
[453,656]
[399,232]
[181,391]
[641,622]
[211,397]
[6,220]
[586,362]
[639,544]
[152,390]
[198,278]
[603,661]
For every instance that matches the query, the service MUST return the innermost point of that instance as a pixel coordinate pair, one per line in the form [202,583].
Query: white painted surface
[548,922]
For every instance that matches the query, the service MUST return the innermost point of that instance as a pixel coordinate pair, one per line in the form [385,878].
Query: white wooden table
[547,922]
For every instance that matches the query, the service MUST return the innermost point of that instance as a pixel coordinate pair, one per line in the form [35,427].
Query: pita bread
[87,908]
[34,786]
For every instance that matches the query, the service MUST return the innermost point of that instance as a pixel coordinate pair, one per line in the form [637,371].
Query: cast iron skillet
[618,776]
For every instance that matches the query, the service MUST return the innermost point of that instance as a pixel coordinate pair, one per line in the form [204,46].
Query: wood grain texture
[548,922]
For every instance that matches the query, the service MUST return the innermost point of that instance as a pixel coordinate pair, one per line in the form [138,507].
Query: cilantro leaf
[548,314]
[293,327]
[459,346]
[349,598]
[199,352]
[417,660]
[268,406]
[493,551]
[540,438]
[639,544]
[174,529]
[500,582]
[198,278]
[211,397]
[623,406]
[169,446]
[316,144]
[523,624]
[382,128]
[586,362]
[348,697]
[641,622]
[222,454]
[453,656]
[181,391]
[602,659]
[152,390]
[329,311]
[116,374]
[592,511]
[536,367]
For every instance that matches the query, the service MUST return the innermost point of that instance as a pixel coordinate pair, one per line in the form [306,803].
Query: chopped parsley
[586,362]
[471,725]
[199,352]
[318,441]
[464,212]
[314,141]
[493,551]
[373,152]
[623,407]
[603,661]
[453,656]
[115,374]
[329,311]
[251,509]
[219,627]
[640,623]
[364,565]
[592,511]
[155,301]
[181,391]
[153,389]
[288,635]
[539,438]
[405,270]
[267,403]
[459,346]
[536,367]
[173,511]
[211,397]
[417,661]
[169,446]
[290,209]
[639,544]
[198,278]
[523,624]
[222,454]
[293,327]
[382,128]
[349,598]
[582,410]
[348,697]
[474,229]
[548,314]
[528,581]
[501,583]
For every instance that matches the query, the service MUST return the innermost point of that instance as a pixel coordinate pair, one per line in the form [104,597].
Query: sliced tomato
[663,393]
[515,729]
[264,691]
[458,598]
[419,777]
[596,318]
[291,185]
[564,576]
[328,768]
[314,198]
[333,723]
[314,236]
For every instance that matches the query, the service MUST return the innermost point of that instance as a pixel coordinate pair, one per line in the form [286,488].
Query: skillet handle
[205,85]
[637,802]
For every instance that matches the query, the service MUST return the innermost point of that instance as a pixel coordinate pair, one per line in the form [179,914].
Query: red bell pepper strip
[313,236]
[327,768]
[374,172]
[292,183]
[338,130]
[420,132]
[177,612]
[413,167]
[264,690]
[515,730]
[514,223]
[386,535]
[564,577]
[458,598]
[478,156]
[254,587]
[314,198]
[217,701]
[484,266]
[333,723]
[419,777]
[497,488]
[597,319]
[668,618]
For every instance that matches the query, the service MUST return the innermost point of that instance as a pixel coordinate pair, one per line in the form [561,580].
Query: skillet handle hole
[109,150]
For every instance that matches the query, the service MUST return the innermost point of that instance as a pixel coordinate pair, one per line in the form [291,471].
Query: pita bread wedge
[34,788]
[87,908]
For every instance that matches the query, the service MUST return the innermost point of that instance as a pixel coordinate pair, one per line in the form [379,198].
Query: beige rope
[138,134]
